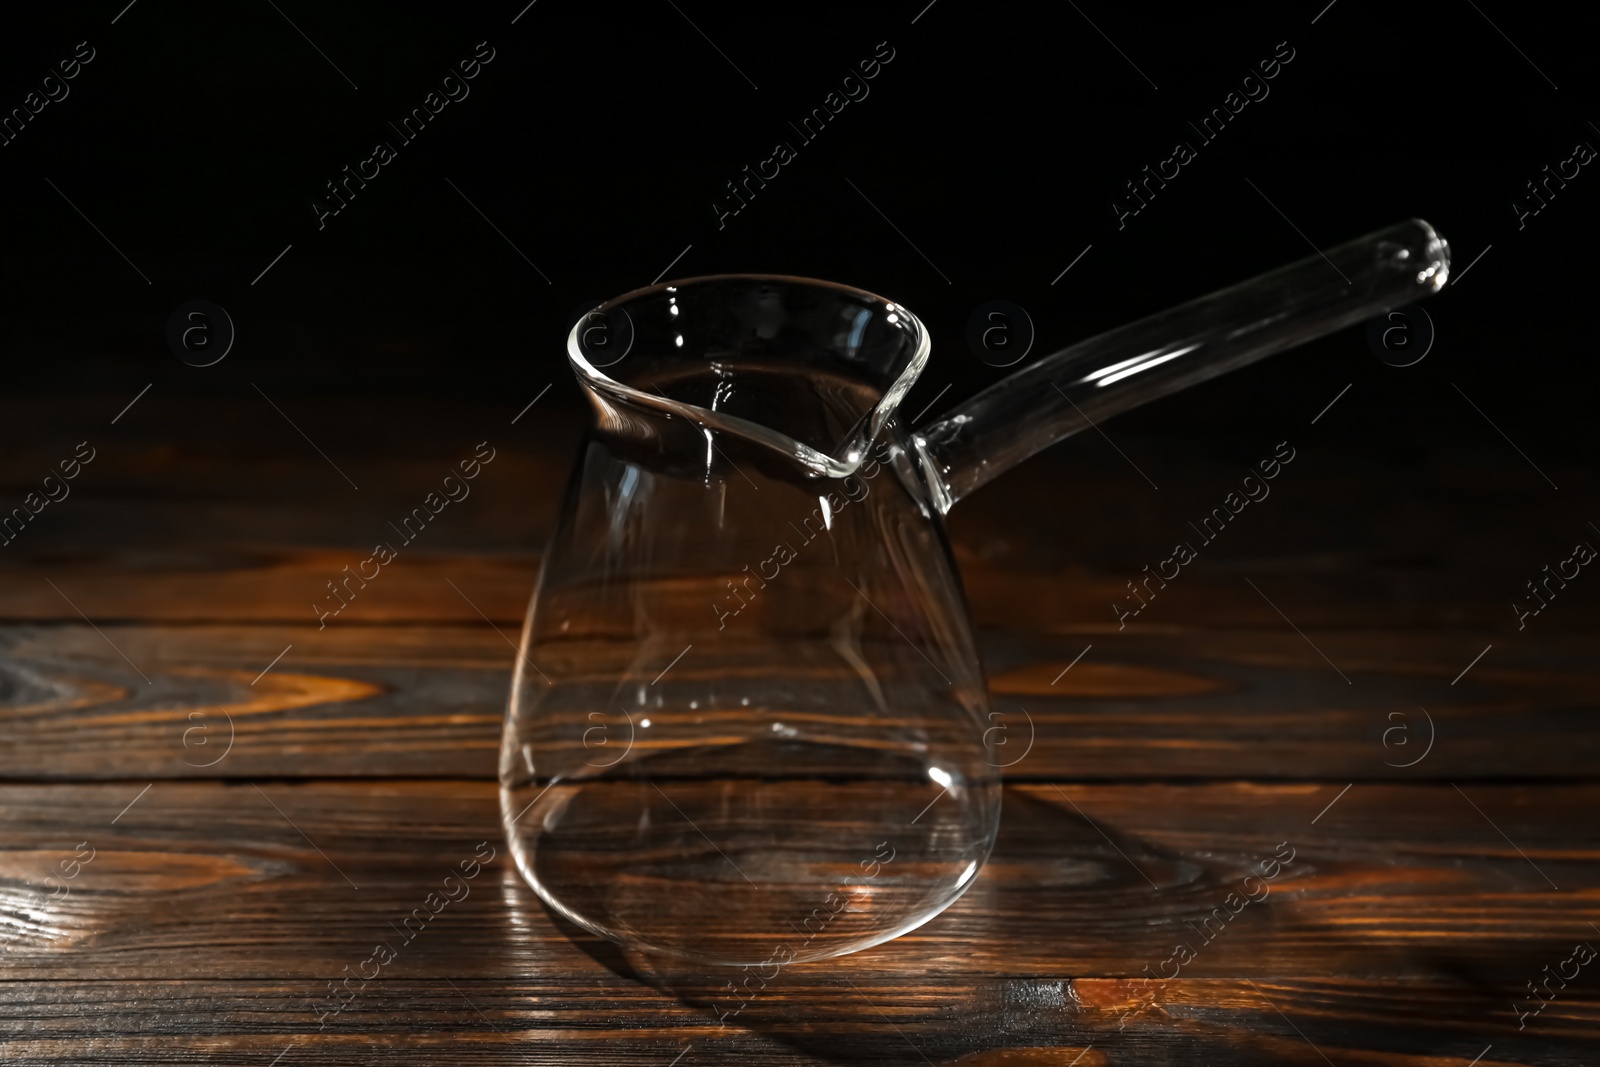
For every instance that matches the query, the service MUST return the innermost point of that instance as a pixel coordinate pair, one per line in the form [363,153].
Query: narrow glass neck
[1095,379]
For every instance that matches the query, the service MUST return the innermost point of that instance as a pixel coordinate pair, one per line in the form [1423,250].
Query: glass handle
[1095,379]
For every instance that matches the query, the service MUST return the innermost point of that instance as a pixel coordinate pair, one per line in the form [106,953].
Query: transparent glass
[748,723]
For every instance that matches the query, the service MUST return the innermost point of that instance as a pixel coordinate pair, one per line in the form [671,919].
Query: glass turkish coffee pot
[748,723]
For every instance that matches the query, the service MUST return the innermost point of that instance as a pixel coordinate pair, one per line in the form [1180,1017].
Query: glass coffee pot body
[748,723]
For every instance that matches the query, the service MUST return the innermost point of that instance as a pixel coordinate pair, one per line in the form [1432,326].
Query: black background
[599,136]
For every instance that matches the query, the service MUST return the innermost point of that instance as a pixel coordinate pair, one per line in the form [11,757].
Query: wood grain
[1392,881]
[1433,921]
[218,511]
[854,1018]
[429,700]
[1319,645]
[251,582]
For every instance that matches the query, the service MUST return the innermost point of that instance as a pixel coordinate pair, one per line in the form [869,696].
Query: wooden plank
[221,512]
[222,926]
[285,587]
[350,700]
[251,583]
[855,1015]
[297,880]
[429,700]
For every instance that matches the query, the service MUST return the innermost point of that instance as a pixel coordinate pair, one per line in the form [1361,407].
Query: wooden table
[1315,682]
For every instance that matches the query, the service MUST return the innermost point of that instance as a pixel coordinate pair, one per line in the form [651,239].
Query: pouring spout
[1080,386]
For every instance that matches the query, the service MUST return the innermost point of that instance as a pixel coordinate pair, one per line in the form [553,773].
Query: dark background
[597,139]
